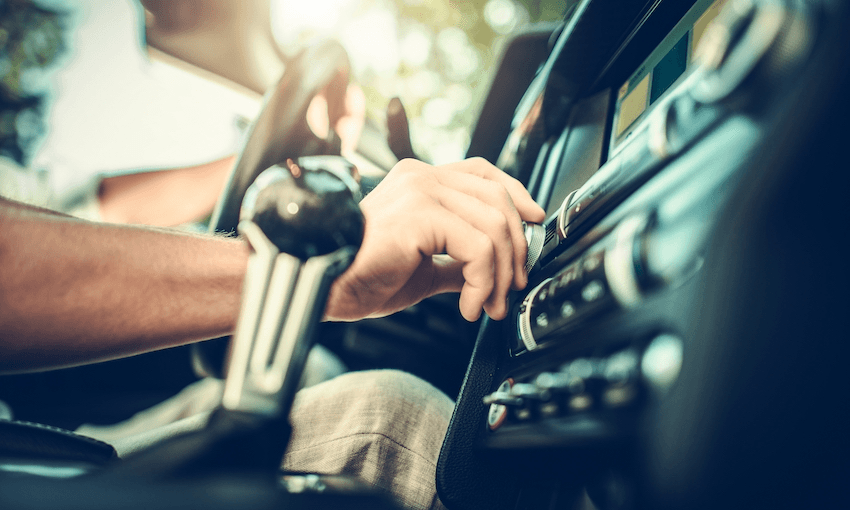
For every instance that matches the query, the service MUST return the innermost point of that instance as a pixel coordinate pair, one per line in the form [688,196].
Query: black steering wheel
[280,132]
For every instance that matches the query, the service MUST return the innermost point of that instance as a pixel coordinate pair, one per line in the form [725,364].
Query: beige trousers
[384,427]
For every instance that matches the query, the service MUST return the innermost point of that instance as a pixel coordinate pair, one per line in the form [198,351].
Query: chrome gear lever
[304,226]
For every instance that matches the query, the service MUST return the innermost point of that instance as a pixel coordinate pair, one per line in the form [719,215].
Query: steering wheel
[279,132]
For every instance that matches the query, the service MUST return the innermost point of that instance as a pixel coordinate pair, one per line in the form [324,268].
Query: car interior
[680,344]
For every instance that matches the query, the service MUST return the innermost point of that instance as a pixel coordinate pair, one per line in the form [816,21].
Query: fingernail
[472,318]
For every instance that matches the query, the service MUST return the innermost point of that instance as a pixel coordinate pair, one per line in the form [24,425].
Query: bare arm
[73,292]
[166,197]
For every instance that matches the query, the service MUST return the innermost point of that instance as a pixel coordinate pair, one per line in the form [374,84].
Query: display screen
[664,66]
[582,151]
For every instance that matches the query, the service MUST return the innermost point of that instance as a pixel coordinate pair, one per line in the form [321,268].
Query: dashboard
[613,380]
[682,341]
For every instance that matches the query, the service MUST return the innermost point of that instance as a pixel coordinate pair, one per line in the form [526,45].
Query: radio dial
[535,235]
[603,278]
[526,310]
[750,40]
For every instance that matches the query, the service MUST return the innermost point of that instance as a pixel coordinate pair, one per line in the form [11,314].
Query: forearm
[73,292]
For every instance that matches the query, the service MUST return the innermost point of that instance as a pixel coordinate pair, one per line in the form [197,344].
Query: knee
[387,402]
[401,407]
[384,427]
[391,390]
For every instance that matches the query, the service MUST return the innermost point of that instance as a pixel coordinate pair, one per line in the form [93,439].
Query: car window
[436,55]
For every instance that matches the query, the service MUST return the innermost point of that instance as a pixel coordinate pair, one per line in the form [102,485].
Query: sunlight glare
[416,46]
[372,41]
[322,15]
[501,15]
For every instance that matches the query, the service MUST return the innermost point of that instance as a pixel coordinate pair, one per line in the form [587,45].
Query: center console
[635,135]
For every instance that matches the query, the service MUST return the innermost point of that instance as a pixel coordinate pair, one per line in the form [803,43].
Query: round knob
[535,236]
[306,208]
[525,319]
[498,402]
[751,40]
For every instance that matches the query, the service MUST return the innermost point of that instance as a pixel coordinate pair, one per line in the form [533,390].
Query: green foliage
[443,137]
[31,38]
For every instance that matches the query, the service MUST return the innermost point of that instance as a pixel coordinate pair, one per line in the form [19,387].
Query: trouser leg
[384,427]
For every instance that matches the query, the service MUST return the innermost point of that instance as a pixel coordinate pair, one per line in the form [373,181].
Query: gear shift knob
[306,208]
[304,226]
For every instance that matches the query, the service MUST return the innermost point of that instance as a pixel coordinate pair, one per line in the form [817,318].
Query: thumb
[448,274]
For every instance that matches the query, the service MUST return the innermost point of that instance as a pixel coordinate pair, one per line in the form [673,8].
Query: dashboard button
[593,291]
[498,408]
[662,361]
[567,309]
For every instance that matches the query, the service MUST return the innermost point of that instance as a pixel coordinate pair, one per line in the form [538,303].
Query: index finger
[525,205]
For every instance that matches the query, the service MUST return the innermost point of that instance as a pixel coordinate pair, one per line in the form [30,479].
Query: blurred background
[437,56]
[133,111]
[146,101]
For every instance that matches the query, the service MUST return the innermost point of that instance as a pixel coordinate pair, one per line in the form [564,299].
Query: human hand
[342,106]
[434,229]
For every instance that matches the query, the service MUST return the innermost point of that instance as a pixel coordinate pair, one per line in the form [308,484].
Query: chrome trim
[657,128]
[524,319]
[535,235]
[260,265]
[620,265]
[291,352]
[502,398]
[562,215]
[283,298]
[278,297]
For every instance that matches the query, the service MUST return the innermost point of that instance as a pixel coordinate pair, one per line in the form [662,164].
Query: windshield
[437,56]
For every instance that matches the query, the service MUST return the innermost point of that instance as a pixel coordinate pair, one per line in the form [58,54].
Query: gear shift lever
[304,226]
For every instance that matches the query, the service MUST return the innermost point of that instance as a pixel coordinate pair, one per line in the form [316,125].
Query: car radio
[634,136]
[658,112]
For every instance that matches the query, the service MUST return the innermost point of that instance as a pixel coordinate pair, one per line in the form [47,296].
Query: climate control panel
[587,398]
[610,274]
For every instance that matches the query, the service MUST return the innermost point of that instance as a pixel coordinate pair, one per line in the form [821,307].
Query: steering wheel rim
[279,132]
